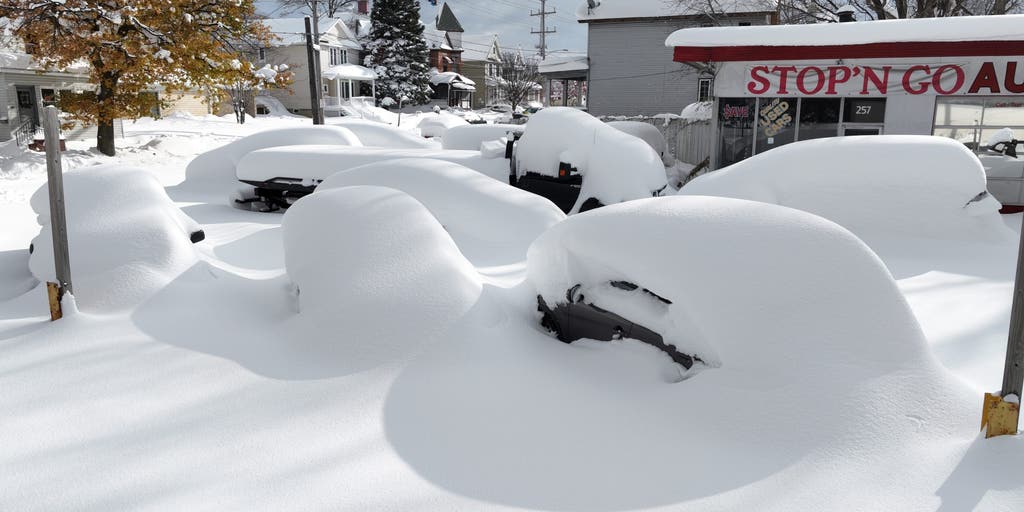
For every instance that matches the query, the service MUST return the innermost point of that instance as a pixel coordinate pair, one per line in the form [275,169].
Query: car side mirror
[1011,149]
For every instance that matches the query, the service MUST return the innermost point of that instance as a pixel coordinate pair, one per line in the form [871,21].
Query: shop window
[864,110]
[776,123]
[973,121]
[704,89]
[819,117]
[736,129]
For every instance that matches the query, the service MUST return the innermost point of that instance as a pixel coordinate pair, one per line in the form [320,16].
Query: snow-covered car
[581,163]
[471,136]
[1004,170]
[720,283]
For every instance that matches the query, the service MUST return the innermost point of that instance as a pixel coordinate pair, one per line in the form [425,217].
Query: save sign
[878,80]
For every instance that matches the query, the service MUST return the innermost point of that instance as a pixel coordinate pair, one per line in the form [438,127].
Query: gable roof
[447,21]
[293,30]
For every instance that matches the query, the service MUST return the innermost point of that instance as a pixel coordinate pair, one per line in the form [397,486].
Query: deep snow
[216,394]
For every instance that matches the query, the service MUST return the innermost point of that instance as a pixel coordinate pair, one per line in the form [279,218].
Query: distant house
[342,75]
[444,38]
[482,64]
[628,73]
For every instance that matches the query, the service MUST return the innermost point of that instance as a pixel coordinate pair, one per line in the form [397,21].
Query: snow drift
[375,134]
[125,236]
[471,136]
[216,168]
[880,186]
[436,124]
[319,162]
[648,133]
[615,166]
[374,266]
[487,219]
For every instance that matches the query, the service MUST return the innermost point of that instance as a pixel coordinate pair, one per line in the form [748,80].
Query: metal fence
[24,133]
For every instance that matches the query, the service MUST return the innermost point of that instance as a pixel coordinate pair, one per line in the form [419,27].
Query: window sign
[736,128]
[776,122]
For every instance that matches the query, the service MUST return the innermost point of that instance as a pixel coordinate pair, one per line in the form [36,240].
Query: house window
[262,54]
[744,23]
[338,56]
[704,89]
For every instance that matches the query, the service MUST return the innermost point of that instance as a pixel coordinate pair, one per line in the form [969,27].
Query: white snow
[1001,135]
[890,186]
[698,111]
[471,136]
[376,134]
[216,168]
[965,28]
[436,124]
[491,222]
[126,239]
[626,9]
[648,133]
[615,166]
[449,77]
[349,72]
[273,105]
[318,162]
[224,390]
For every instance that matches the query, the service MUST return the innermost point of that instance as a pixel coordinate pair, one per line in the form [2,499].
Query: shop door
[852,129]
[27,109]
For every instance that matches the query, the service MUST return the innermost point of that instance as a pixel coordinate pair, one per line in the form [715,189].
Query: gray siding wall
[632,71]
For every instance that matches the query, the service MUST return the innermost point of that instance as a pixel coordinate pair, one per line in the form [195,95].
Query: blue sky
[509,19]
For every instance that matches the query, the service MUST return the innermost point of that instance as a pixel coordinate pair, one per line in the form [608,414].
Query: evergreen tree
[398,53]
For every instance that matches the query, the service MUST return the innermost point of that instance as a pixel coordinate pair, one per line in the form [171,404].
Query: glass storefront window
[819,117]
[736,129]
[959,111]
[776,123]
[973,121]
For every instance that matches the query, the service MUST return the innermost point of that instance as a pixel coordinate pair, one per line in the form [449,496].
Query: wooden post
[314,83]
[1001,416]
[58,221]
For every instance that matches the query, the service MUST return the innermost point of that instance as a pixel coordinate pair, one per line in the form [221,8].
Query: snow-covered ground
[257,379]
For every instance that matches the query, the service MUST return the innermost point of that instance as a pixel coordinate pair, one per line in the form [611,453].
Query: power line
[543,13]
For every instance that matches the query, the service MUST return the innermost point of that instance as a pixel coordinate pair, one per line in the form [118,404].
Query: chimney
[364,6]
[845,13]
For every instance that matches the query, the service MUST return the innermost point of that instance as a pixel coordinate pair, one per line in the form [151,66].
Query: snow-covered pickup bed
[283,174]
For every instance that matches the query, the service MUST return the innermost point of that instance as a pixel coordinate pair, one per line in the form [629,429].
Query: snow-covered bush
[216,168]
[319,162]
[470,136]
[374,134]
[882,186]
[649,134]
[615,166]
[488,219]
[126,238]
[373,265]
[436,124]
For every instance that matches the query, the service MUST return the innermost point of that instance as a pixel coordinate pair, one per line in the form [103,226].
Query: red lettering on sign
[881,83]
[756,75]
[783,72]
[986,78]
[837,75]
[1010,80]
[937,79]
[801,80]
[907,76]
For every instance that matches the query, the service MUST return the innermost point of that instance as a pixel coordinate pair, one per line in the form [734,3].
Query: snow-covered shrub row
[481,214]
[375,134]
[216,168]
[615,166]
[374,266]
[125,237]
[749,284]
[319,162]
[887,185]
[470,136]
[649,134]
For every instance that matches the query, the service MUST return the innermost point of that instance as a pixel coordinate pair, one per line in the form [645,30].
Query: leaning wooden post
[1001,413]
[58,221]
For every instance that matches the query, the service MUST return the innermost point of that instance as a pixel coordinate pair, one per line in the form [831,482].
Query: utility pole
[543,13]
[314,84]
[316,53]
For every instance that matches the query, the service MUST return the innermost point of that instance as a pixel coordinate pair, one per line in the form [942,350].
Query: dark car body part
[278,193]
[576,319]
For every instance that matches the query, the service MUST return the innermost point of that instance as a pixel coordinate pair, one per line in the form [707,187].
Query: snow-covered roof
[448,77]
[624,9]
[349,72]
[292,31]
[360,23]
[564,63]
[964,28]
[16,60]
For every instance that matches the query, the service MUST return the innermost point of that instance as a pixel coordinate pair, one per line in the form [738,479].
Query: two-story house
[444,38]
[342,75]
[482,64]
[631,70]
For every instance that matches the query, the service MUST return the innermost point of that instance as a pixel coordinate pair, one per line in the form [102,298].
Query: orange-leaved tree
[132,46]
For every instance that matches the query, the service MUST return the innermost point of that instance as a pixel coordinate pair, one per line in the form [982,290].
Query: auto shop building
[955,77]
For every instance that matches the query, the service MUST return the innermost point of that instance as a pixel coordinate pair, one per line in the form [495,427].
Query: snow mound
[615,166]
[699,111]
[216,168]
[648,133]
[375,134]
[436,124]
[881,186]
[273,105]
[365,107]
[471,136]
[126,238]
[1001,135]
[487,219]
[375,267]
[319,162]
